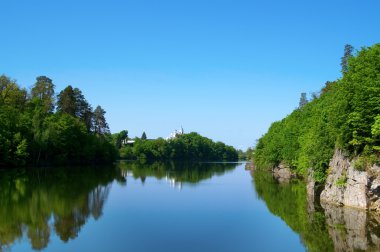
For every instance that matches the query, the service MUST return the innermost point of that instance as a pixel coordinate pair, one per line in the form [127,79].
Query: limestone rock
[347,186]
[334,193]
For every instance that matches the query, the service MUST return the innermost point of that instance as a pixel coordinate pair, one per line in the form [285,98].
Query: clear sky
[226,69]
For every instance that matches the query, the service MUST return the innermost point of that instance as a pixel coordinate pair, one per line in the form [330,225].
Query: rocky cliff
[348,228]
[350,187]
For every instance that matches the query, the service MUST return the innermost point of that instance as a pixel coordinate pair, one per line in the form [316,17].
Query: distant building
[176,134]
[127,142]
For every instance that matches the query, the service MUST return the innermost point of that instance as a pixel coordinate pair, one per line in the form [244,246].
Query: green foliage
[30,133]
[245,155]
[66,101]
[249,153]
[375,129]
[119,138]
[126,152]
[348,49]
[190,146]
[342,181]
[345,116]
[71,101]
[367,159]
[320,174]
[43,93]
[100,123]
[359,164]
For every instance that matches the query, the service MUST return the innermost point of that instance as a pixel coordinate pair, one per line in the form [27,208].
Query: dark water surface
[168,207]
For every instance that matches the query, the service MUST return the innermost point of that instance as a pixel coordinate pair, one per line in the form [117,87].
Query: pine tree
[348,49]
[43,92]
[100,123]
[143,137]
[303,101]
[66,101]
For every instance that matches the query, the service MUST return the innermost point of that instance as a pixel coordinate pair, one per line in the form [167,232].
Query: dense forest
[190,147]
[40,128]
[345,114]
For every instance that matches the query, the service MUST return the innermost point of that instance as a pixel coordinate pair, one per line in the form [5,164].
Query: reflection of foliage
[30,199]
[289,201]
[181,172]
[37,202]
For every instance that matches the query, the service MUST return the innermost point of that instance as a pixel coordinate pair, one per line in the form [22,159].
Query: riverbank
[345,185]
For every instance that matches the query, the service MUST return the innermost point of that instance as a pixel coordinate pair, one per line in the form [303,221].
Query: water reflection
[176,174]
[321,228]
[37,202]
[353,229]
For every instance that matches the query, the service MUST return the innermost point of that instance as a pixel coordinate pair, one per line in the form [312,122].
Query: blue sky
[226,69]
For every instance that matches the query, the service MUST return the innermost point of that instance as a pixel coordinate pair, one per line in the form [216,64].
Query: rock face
[349,187]
[373,193]
[283,173]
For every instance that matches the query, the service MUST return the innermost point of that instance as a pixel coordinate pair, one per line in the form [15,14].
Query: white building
[127,142]
[176,134]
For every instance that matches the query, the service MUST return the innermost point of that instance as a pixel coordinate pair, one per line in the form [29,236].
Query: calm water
[199,207]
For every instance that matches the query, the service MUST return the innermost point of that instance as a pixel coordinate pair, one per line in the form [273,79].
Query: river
[171,207]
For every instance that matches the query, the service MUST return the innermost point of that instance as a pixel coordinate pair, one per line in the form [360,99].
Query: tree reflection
[289,201]
[177,172]
[330,228]
[35,202]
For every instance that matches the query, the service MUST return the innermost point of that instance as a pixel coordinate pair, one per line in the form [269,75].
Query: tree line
[344,115]
[38,127]
[189,147]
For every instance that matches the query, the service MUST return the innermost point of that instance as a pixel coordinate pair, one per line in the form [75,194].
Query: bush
[342,181]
